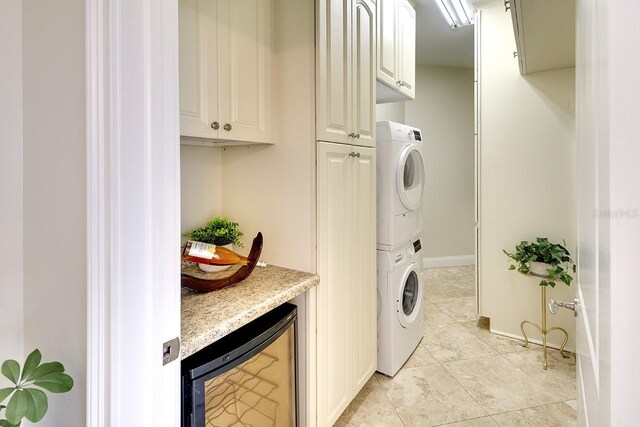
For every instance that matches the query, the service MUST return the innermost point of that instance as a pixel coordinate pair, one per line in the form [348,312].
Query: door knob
[215,125]
[227,127]
[555,305]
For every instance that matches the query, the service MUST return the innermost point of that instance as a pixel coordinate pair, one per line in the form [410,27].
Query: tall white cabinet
[346,202]
[346,54]
[225,70]
[396,65]
[346,295]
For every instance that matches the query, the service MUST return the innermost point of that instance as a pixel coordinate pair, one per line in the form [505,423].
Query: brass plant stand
[543,330]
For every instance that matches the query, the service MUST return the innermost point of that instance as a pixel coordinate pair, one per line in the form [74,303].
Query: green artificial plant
[26,398]
[543,251]
[219,231]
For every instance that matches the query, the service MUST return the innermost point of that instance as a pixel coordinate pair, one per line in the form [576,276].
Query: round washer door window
[410,177]
[410,296]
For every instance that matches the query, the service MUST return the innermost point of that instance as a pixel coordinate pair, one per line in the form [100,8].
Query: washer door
[410,177]
[409,299]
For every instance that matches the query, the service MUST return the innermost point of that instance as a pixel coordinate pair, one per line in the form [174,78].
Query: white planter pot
[539,268]
[210,268]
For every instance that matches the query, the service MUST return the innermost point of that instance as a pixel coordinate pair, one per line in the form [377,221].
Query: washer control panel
[406,252]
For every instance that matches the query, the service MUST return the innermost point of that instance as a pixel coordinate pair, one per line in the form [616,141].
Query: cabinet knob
[215,125]
[358,155]
[358,137]
[227,127]
[352,135]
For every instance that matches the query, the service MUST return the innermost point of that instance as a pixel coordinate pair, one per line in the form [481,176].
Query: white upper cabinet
[545,40]
[225,71]
[396,66]
[346,53]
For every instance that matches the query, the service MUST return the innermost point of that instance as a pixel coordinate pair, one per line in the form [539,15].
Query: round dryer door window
[411,177]
[410,297]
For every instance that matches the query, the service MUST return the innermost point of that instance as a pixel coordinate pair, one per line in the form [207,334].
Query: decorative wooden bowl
[197,280]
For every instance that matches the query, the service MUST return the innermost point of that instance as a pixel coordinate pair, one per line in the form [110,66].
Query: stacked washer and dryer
[400,181]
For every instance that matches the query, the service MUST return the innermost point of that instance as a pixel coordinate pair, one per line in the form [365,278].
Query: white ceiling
[437,43]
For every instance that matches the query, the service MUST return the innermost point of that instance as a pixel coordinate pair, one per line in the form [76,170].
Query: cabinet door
[363,273]
[388,42]
[364,72]
[334,307]
[334,70]
[244,68]
[407,48]
[198,47]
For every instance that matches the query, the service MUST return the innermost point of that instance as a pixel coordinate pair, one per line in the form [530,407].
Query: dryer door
[409,298]
[410,177]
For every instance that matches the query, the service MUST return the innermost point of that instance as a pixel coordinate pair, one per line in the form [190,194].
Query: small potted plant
[219,232]
[26,398]
[549,261]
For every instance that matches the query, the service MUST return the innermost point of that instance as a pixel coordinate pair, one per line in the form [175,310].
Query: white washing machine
[401,181]
[400,290]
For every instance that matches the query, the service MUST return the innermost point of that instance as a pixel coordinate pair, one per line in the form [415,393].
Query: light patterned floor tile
[434,316]
[453,342]
[420,357]
[499,343]
[476,422]
[556,415]
[498,385]
[560,376]
[429,396]
[370,408]
[573,404]
[462,309]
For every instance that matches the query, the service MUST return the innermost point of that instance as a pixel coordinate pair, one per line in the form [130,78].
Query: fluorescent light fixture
[458,13]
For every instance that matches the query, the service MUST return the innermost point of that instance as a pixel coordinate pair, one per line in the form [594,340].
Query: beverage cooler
[248,378]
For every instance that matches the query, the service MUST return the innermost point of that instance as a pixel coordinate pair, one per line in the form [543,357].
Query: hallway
[462,375]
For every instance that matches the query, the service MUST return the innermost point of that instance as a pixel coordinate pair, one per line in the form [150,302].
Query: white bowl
[211,268]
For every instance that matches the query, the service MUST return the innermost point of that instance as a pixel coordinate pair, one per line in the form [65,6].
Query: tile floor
[463,375]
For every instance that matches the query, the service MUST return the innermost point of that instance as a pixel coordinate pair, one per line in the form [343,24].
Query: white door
[198,52]
[334,71]
[407,48]
[609,202]
[364,72]
[388,42]
[410,177]
[409,297]
[244,70]
[363,267]
[334,308]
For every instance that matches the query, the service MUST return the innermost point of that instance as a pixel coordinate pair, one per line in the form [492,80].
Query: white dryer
[401,181]
[400,319]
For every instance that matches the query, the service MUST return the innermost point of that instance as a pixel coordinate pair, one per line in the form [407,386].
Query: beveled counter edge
[234,323]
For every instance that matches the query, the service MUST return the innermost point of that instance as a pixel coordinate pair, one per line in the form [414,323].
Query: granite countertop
[207,317]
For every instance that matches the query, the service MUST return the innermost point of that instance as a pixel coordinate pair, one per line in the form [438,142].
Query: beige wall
[55,281]
[11,287]
[200,185]
[527,174]
[443,110]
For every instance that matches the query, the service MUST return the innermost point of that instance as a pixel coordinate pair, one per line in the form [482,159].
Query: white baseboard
[534,341]
[448,261]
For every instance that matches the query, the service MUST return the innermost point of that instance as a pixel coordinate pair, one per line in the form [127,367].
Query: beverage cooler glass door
[248,378]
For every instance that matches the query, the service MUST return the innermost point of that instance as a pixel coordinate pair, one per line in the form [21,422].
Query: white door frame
[133,211]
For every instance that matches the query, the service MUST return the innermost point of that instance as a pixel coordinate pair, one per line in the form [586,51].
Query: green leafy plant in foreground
[219,231]
[554,254]
[26,399]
